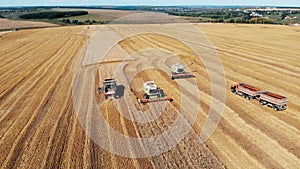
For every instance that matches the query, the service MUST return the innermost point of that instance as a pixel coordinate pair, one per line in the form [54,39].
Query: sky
[295,3]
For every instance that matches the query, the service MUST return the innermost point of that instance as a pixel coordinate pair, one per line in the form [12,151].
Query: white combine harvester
[178,72]
[152,93]
[109,88]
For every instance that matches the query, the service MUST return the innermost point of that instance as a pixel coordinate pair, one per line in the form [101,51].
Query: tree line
[86,22]
[52,14]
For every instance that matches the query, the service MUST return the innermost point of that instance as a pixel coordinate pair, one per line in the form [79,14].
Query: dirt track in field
[39,125]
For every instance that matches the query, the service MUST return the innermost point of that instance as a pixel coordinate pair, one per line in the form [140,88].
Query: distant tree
[253,20]
[75,21]
[67,21]
[87,22]
[220,20]
[240,20]
[283,15]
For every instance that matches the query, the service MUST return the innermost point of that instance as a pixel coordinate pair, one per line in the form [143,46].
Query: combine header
[178,72]
[265,98]
[109,88]
[152,93]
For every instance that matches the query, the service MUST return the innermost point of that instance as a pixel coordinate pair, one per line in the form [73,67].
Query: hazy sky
[151,2]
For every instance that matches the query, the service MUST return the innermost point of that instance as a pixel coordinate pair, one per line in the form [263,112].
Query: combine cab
[152,93]
[178,72]
[109,88]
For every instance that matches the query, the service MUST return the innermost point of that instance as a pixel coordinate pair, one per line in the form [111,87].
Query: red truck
[273,100]
[246,91]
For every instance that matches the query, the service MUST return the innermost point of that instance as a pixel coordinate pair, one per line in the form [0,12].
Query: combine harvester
[178,72]
[245,90]
[109,88]
[265,98]
[273,100]
[152,93]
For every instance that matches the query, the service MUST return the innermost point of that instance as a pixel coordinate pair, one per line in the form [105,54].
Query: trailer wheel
[262,102]
[276,108]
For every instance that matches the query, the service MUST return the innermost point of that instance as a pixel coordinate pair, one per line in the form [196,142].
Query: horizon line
[94,5]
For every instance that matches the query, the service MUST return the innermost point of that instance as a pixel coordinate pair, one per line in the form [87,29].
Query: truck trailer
[246,91]
[275,101]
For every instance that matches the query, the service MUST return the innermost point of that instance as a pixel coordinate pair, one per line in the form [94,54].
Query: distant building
[255,14]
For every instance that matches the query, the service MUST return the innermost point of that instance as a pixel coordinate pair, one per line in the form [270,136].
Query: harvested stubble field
[10,24]
[39,127]
[98,14]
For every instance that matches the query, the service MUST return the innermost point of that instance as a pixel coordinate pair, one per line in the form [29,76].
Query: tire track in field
[119,123]
[256,150]
[284,131]
[86,91]
[183,153]
[279,126]
[264,81]
[248,140]
[158,127]
[237,72]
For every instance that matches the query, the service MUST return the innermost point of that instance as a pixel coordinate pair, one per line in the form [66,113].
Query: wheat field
[40,126]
